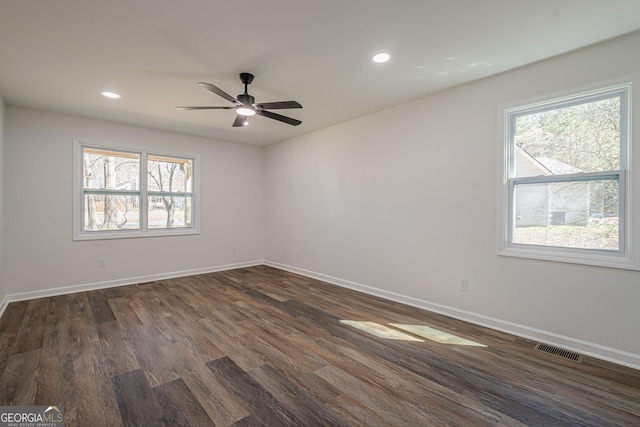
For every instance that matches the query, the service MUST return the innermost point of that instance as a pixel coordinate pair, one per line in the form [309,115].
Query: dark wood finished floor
[260,346]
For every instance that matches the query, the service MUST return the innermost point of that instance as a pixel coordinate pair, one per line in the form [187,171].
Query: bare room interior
[334,213]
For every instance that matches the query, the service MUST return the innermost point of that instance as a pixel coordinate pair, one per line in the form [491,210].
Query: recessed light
[381,57]
[112,95]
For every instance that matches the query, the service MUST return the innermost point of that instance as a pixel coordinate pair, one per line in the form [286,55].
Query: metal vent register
[566,354]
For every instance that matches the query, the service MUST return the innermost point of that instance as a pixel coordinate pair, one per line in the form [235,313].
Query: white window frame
[78,193]
[628,183]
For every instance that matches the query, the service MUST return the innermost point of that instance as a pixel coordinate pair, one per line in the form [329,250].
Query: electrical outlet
[102,263]
[464,285]
[298,253]
[233,250]
[284,250]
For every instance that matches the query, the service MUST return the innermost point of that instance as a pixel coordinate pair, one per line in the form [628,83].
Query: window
[131,192]
[565,188]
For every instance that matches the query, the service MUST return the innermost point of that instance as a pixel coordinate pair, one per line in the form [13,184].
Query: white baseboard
[586,348]
[22,296]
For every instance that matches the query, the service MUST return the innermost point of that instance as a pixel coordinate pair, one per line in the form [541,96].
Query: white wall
[404,202]
[39,252]
[2,112]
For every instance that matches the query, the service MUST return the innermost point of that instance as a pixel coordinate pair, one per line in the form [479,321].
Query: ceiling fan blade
[278,105]
[219,92]
[205,108]
[240,121]
[278,117]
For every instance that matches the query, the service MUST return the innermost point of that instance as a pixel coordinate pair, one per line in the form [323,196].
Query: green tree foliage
[585,136]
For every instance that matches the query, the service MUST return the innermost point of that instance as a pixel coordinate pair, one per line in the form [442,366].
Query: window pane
[110,170]
[582,214]
[571,139]
[169,212]
[170,174]
[111,212]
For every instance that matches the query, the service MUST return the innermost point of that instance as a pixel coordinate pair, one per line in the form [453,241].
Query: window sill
[572,256]
[130,234]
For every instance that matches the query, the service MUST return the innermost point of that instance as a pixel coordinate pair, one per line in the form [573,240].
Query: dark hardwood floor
[260,346]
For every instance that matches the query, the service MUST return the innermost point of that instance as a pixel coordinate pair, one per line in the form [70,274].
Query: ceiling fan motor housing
[246,99]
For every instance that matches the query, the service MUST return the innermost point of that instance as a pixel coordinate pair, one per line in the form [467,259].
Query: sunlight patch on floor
[380,331]
[436,335]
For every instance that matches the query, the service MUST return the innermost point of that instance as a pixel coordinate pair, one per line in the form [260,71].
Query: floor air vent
[569,355]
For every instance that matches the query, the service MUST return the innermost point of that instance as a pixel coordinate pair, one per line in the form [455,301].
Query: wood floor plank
[50,347]
[180,406]
[218,402]
[194,341]
[137,304]
[303,405]
[9,327]
[425,397]
[390,409]
[19,382]
[307,359]
[177,295]
[100,307]
[263,406]
[79,308]
[49,379]
[117,350]
[124,313]
[158,363]
[229,345]
[12,317]
[92,402]
[137,401]
[30,336]
[355,412]
[296,372]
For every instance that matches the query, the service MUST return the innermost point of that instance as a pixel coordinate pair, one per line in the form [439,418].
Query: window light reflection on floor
[423,331]
[436,335]
[380,331]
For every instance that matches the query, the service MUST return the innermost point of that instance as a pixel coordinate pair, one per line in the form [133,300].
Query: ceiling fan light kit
[246,106]
[244,111]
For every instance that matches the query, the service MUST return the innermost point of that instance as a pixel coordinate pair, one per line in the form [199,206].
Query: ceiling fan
[246,106]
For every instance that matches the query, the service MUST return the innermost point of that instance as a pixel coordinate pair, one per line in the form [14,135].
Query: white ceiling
[58,55]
